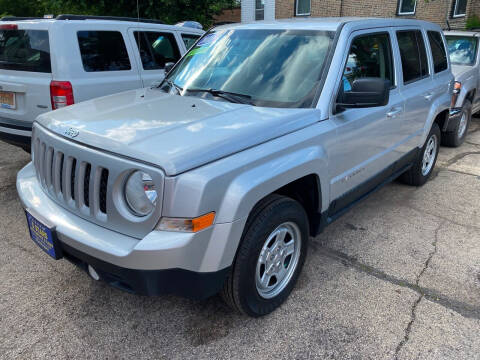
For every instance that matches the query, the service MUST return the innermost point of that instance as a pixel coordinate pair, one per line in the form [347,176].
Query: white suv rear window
[25,50]
[103,51]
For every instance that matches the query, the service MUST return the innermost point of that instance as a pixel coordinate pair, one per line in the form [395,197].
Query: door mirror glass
[168,67]
[366,92]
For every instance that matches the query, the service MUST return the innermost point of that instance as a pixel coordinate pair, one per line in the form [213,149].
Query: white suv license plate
[7,100]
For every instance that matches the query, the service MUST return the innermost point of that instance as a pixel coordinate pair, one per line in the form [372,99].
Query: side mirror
[168,67]
[366,92]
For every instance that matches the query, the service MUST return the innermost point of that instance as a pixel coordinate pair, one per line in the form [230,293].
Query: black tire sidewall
[466,109]
[262,226]
[435,130]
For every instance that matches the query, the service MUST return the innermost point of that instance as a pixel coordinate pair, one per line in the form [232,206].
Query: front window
[156,49]
[303,8]
[460,8]
[25,50]
[276,68]
[462,49]
[407,7]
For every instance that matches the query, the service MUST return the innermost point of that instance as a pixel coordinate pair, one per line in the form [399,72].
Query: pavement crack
[408,329]
[464,309]
[413,316]
[459,157]
[430,256]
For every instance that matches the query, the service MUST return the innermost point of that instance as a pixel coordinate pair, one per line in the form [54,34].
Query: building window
[460,8]
[302,8]
[407,7]
[259,9]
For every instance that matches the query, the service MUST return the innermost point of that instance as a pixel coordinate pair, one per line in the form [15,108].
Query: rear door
[25,75]
[154,49]
[96,58]
[416,83]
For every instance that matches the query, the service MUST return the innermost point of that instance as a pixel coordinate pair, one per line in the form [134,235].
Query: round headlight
[140,193]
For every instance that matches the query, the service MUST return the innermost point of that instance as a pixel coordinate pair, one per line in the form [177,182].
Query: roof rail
[190,24]
[16,18]
[115,18]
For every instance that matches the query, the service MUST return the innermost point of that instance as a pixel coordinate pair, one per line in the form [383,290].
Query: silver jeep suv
[260,136]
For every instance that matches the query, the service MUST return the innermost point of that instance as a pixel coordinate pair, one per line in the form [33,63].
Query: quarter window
[189,40]
[369,56]
[407,7]
[103,51]
[413,55]
[156,49]
[460,8]
[303,7]
[439,54]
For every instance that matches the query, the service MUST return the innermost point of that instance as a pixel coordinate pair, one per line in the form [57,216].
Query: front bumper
[188,264]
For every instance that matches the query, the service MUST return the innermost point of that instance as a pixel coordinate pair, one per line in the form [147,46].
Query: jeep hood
[176,133]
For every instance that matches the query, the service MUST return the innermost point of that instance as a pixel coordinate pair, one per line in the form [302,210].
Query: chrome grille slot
[103,191]
[72,181]
[88,182]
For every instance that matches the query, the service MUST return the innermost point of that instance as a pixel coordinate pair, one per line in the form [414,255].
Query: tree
[168,11]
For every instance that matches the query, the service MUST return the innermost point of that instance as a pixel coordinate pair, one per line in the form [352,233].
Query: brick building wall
[433,10]
[228,15]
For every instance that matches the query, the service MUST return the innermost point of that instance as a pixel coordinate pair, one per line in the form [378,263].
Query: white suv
[46,64]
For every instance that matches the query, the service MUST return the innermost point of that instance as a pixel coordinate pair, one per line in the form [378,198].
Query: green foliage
[168,11]
[473,22]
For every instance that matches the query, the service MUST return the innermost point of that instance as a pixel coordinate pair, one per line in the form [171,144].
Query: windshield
[25,50]
[462,49]
[276,68]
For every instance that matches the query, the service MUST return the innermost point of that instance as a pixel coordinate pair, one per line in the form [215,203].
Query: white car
[46,64]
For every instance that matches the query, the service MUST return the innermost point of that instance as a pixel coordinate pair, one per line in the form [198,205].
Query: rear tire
[456,137]
[423,167]
[270,257]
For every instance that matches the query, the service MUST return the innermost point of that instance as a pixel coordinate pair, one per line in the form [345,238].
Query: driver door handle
[428,96]
[394,112]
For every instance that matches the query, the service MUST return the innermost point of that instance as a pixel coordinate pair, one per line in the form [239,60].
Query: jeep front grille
[72,180]
[89,182]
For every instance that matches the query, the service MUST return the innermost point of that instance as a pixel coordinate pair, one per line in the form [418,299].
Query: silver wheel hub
[278,260]
[462,127]
[429,155]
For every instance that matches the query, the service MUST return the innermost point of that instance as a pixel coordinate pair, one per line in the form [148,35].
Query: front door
[155,49]
[366,137]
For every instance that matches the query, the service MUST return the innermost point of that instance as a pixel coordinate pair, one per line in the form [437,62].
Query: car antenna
[448,24]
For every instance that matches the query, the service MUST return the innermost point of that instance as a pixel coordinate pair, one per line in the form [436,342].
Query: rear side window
[413,54]
[25,50]
[156,49]
[369,56]
[439,54]
[103,51]
[189,40]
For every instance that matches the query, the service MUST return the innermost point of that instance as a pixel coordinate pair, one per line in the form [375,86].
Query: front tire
[456,137]
[270,257]
[423,167]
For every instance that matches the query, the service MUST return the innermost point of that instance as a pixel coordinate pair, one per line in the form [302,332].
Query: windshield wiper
[227,95]
[172,85]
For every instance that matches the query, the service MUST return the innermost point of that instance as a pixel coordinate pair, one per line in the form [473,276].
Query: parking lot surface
[398,277]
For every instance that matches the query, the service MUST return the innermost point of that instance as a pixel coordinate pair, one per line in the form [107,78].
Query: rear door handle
[428,96]
[394,112]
